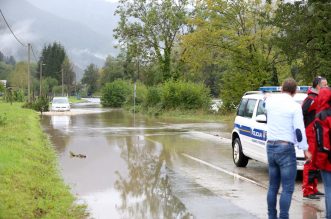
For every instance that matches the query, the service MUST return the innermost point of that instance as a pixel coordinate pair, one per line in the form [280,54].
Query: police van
[249,134]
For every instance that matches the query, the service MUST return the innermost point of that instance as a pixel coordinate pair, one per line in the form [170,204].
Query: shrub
[41,104]
[57,90]
[9,97]
[18,96]
[2,87]
[114,94]
[3,119]
[28,105]
[141,94]
[153,97]
[185,95]
[14,96]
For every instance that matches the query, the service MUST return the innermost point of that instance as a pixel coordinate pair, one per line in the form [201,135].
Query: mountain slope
[34,25]
[98,15]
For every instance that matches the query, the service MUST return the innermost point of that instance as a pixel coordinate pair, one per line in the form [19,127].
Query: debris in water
[77,155]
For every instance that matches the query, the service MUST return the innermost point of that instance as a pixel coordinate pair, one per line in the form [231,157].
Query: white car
[60,104]
[249,134]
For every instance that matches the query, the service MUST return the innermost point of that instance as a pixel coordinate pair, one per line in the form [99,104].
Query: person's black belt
[279,142]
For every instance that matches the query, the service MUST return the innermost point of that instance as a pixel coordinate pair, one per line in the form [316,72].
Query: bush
[41,104]
[141,94]
[153,97]
[18,96]
[3,119]
[57,90]
[114,94]
[185,95]
[28,105]
[2,87]
[14,96]
[9,97]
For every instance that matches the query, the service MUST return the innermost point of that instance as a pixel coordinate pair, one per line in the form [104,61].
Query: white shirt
[284,116]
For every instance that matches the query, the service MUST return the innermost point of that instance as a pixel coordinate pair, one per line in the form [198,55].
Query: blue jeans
[326,177]
[282,170]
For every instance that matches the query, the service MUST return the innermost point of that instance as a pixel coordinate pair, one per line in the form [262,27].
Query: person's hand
[308,156]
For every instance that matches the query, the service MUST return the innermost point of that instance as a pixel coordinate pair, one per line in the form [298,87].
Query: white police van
[249,134]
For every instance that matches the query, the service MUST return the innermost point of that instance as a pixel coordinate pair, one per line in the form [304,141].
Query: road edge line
[237,176]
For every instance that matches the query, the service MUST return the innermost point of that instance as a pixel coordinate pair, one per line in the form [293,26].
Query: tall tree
[18,77]
[305,37]
[149,29]
[5,70]
[2,57]
[11,60]
[90,78]
[69,76]
[112,70]
[235,36]
[53,56]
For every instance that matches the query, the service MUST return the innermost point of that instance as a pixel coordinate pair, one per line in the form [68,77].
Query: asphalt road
[138,167]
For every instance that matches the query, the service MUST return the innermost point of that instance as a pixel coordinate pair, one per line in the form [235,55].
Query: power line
[11,29]
[34,55]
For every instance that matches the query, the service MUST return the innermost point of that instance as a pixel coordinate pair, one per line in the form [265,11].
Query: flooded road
[138,167]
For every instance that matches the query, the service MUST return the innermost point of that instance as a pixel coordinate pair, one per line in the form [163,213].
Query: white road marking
[294,197]
[224,170]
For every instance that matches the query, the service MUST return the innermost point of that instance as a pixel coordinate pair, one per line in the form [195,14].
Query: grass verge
[187,115]
[198,116]
[73,99]
[30,183]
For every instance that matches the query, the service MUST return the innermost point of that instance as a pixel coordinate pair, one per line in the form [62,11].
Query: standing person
[322,151]
[285,128]
[310,172]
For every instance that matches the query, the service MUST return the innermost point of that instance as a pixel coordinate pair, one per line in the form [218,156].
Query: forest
[227,47]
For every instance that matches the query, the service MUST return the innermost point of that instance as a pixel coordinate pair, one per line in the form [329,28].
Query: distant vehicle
[249,134]
[60,104]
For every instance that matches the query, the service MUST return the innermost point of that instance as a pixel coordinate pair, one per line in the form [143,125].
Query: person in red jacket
[310,172]
[322,149]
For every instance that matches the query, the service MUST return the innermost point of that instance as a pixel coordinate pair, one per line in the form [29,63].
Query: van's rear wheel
[239,159]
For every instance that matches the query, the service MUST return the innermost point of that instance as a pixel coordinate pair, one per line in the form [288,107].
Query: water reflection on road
[138,167]
[124,175]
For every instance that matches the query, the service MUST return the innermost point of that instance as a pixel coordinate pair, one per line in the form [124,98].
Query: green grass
[30,183]
[73,99]
[196,115]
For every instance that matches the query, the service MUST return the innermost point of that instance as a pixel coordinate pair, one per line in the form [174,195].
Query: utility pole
[62,80]
[76,84]
[134,97]
[138,68]
[41,77]
[29,48]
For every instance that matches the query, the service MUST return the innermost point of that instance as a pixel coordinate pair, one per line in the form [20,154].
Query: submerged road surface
[137,167]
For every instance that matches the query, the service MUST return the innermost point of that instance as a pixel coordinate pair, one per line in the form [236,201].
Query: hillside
[40,27]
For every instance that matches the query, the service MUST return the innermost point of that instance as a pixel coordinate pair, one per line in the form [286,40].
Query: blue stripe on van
[255,133]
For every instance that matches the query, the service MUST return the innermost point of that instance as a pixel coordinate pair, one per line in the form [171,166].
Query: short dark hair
[289,86]
[317,80]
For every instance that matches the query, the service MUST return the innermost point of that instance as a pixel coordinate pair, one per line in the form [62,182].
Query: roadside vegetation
[176,100]
[228,46]
[31,186]
[181,54]
[173,96]
[74,99]
[195,116]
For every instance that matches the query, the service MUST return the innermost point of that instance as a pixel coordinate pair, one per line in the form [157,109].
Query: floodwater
[125,166]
